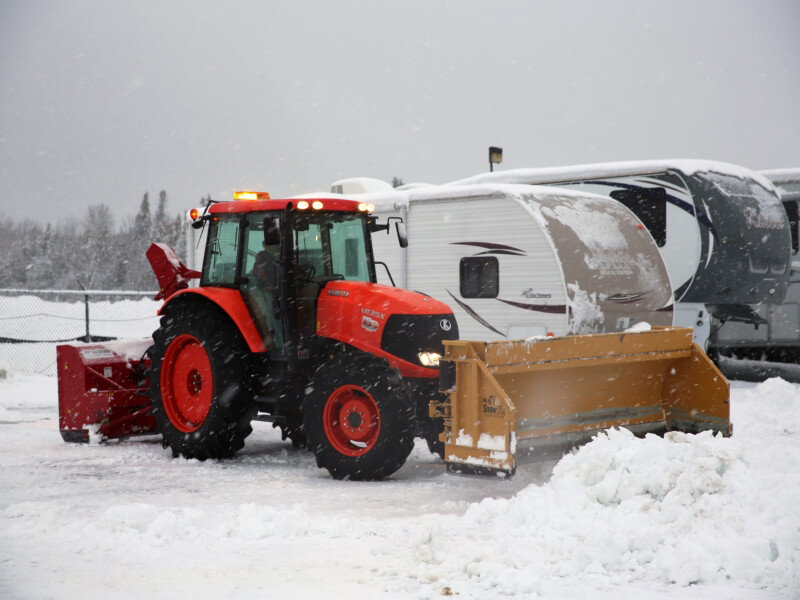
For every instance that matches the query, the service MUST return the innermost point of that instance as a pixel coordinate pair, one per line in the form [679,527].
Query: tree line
[93,252]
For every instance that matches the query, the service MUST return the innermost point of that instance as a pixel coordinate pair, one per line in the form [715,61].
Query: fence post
[86,311]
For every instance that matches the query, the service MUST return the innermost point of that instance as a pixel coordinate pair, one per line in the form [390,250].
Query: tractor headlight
[429,359]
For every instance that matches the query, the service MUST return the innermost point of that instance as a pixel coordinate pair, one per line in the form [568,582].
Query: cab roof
[299,204]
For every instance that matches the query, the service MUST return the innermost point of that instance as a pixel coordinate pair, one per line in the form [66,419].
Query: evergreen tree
[42,275]
[161,223]
[143,223]
[91,250]
[140,275]
[98,233]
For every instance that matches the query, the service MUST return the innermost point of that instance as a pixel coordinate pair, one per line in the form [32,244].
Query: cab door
[261,277]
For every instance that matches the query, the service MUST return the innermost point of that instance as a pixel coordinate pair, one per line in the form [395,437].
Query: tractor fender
[231,302]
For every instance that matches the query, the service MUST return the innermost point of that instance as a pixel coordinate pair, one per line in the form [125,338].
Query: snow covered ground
[677,517]
[681,517]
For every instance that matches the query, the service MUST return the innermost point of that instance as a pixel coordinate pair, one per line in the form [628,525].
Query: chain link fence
[34,322]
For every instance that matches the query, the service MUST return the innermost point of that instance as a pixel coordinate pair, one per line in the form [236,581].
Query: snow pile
[694,516]
[661,510]
[680,510]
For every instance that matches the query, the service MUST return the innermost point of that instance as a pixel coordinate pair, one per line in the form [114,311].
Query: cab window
[219,264]
[255,240]
[332,244]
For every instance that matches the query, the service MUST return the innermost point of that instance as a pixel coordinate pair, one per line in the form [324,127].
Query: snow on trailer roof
[612,169]
[398,199]
[780,176]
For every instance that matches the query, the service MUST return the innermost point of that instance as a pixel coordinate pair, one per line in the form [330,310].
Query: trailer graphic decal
[545,308]
[681,204]
[628,298]
[492,248]
[530,294]
[555,309]
[471,312]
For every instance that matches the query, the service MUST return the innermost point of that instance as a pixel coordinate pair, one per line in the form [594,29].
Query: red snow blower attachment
[100,390]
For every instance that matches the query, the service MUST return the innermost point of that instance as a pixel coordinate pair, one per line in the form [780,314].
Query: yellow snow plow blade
[563,390]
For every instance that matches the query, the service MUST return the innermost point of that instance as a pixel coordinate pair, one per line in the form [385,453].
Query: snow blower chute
[502,394]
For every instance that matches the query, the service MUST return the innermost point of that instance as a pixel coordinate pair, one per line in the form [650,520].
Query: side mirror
[272,231]
[374,227]
[402,236]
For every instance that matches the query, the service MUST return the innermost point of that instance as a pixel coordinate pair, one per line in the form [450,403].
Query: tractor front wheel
[359,418]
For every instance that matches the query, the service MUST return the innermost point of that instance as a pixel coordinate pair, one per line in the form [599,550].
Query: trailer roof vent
[360,185]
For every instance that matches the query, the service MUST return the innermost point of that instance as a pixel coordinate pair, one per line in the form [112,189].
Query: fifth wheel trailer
[772,348]
[721,230]
[521,262]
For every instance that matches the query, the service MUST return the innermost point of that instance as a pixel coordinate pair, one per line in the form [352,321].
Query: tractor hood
[386,321]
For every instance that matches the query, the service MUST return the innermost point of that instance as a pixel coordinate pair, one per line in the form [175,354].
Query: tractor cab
[281,255]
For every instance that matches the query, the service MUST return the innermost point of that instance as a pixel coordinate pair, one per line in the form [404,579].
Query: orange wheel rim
[352,420]
[186,383]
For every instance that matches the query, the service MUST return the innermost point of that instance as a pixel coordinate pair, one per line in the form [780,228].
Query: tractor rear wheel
[200,382]
[359,418]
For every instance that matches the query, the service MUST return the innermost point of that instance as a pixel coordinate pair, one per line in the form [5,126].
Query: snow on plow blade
[501,394]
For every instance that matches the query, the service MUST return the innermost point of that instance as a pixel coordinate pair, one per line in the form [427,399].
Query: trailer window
[480,277]
[650,206]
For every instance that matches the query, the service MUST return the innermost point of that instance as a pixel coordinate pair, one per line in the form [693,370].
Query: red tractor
[289,326]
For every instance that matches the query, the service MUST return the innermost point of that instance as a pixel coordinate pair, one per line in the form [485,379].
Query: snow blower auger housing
[501,395]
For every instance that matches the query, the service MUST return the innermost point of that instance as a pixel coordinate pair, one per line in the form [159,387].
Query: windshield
[219,265]
[331,244]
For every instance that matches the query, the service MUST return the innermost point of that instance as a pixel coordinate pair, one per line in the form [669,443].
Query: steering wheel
[306,272]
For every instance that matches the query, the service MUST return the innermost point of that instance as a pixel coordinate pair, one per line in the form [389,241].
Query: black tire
[201,382]
[377,435]
[429,428]
[294,431]
[435,427]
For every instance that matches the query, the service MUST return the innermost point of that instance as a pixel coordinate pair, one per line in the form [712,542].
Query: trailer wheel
[199,383]
[359,418]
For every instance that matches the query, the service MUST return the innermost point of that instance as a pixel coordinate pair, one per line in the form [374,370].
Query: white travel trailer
[721,230]
[517,262]
[773,347]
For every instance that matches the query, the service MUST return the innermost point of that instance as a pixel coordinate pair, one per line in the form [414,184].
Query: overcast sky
[101,101]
